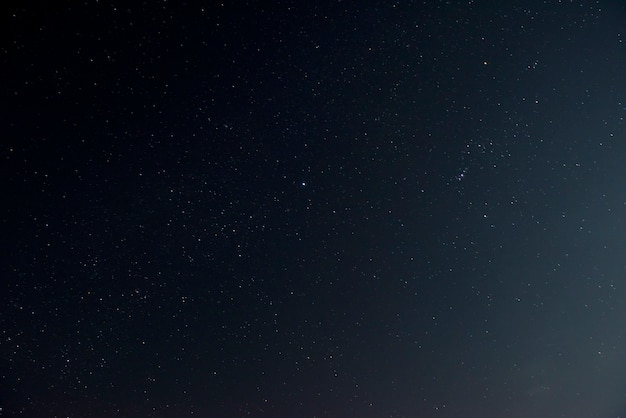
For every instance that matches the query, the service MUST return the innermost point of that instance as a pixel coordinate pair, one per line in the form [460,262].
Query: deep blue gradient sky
[339,209]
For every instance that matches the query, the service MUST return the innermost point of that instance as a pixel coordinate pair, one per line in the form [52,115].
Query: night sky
[313,209]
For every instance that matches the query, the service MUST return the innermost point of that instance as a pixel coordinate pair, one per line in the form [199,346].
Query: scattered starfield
[335,208]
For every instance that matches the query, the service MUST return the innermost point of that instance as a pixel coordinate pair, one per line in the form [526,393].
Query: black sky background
[355,209]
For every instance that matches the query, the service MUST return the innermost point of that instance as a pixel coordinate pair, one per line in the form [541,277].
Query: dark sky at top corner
[281,209]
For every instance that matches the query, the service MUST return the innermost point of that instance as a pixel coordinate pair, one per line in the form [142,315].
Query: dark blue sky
[342,209]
